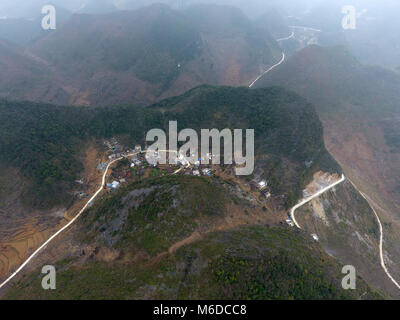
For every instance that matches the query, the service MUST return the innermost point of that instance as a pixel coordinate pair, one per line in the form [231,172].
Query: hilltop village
[134,164]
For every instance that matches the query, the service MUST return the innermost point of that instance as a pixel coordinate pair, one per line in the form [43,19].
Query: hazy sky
[30,8]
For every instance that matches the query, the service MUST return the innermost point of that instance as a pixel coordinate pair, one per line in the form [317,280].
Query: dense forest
[42,140]
[146,218]
[250,263]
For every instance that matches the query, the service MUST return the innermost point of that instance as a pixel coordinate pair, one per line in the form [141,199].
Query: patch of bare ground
[235,218]
[67,247]
[362,152]
[23,230]
[348,230]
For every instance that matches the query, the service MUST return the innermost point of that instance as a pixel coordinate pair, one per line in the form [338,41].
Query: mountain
[192,243]
[76,97]
[26,77]
[137,4]
[31,9]
[41,140]
[370,42]
[24,31]
[145,55]
[273,22]
[20,31]
[348,230]
[203,237]
[45,146]
[98,7]
[328,75]
[359,107]
[45,149]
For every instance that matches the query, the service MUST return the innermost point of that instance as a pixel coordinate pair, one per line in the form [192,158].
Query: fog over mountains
[317,81]
[374,41]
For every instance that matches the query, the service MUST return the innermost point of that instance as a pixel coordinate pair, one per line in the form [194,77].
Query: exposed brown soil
[21,234]
[366,159]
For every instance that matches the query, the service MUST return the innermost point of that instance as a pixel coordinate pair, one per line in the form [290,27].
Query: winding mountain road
[286,38]
[292,211]
[305,28]
[38,250]
[382,261]
[275,65]
[380,236]
[103,181]
[268,70]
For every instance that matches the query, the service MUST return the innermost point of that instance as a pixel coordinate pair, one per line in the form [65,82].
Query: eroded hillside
[358,106]
[126,248]
[41,141]
[348,230]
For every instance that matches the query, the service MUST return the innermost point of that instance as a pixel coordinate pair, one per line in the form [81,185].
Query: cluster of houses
[183,165]
[262,187]
[202,172]
[140,159]
[114,148]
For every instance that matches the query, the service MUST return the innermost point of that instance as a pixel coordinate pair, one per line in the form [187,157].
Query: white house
[262,184]
[115,185]
[290,222]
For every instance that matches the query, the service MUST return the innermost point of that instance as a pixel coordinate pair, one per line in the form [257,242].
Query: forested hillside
[359,106]
[42,140]
[127,240]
